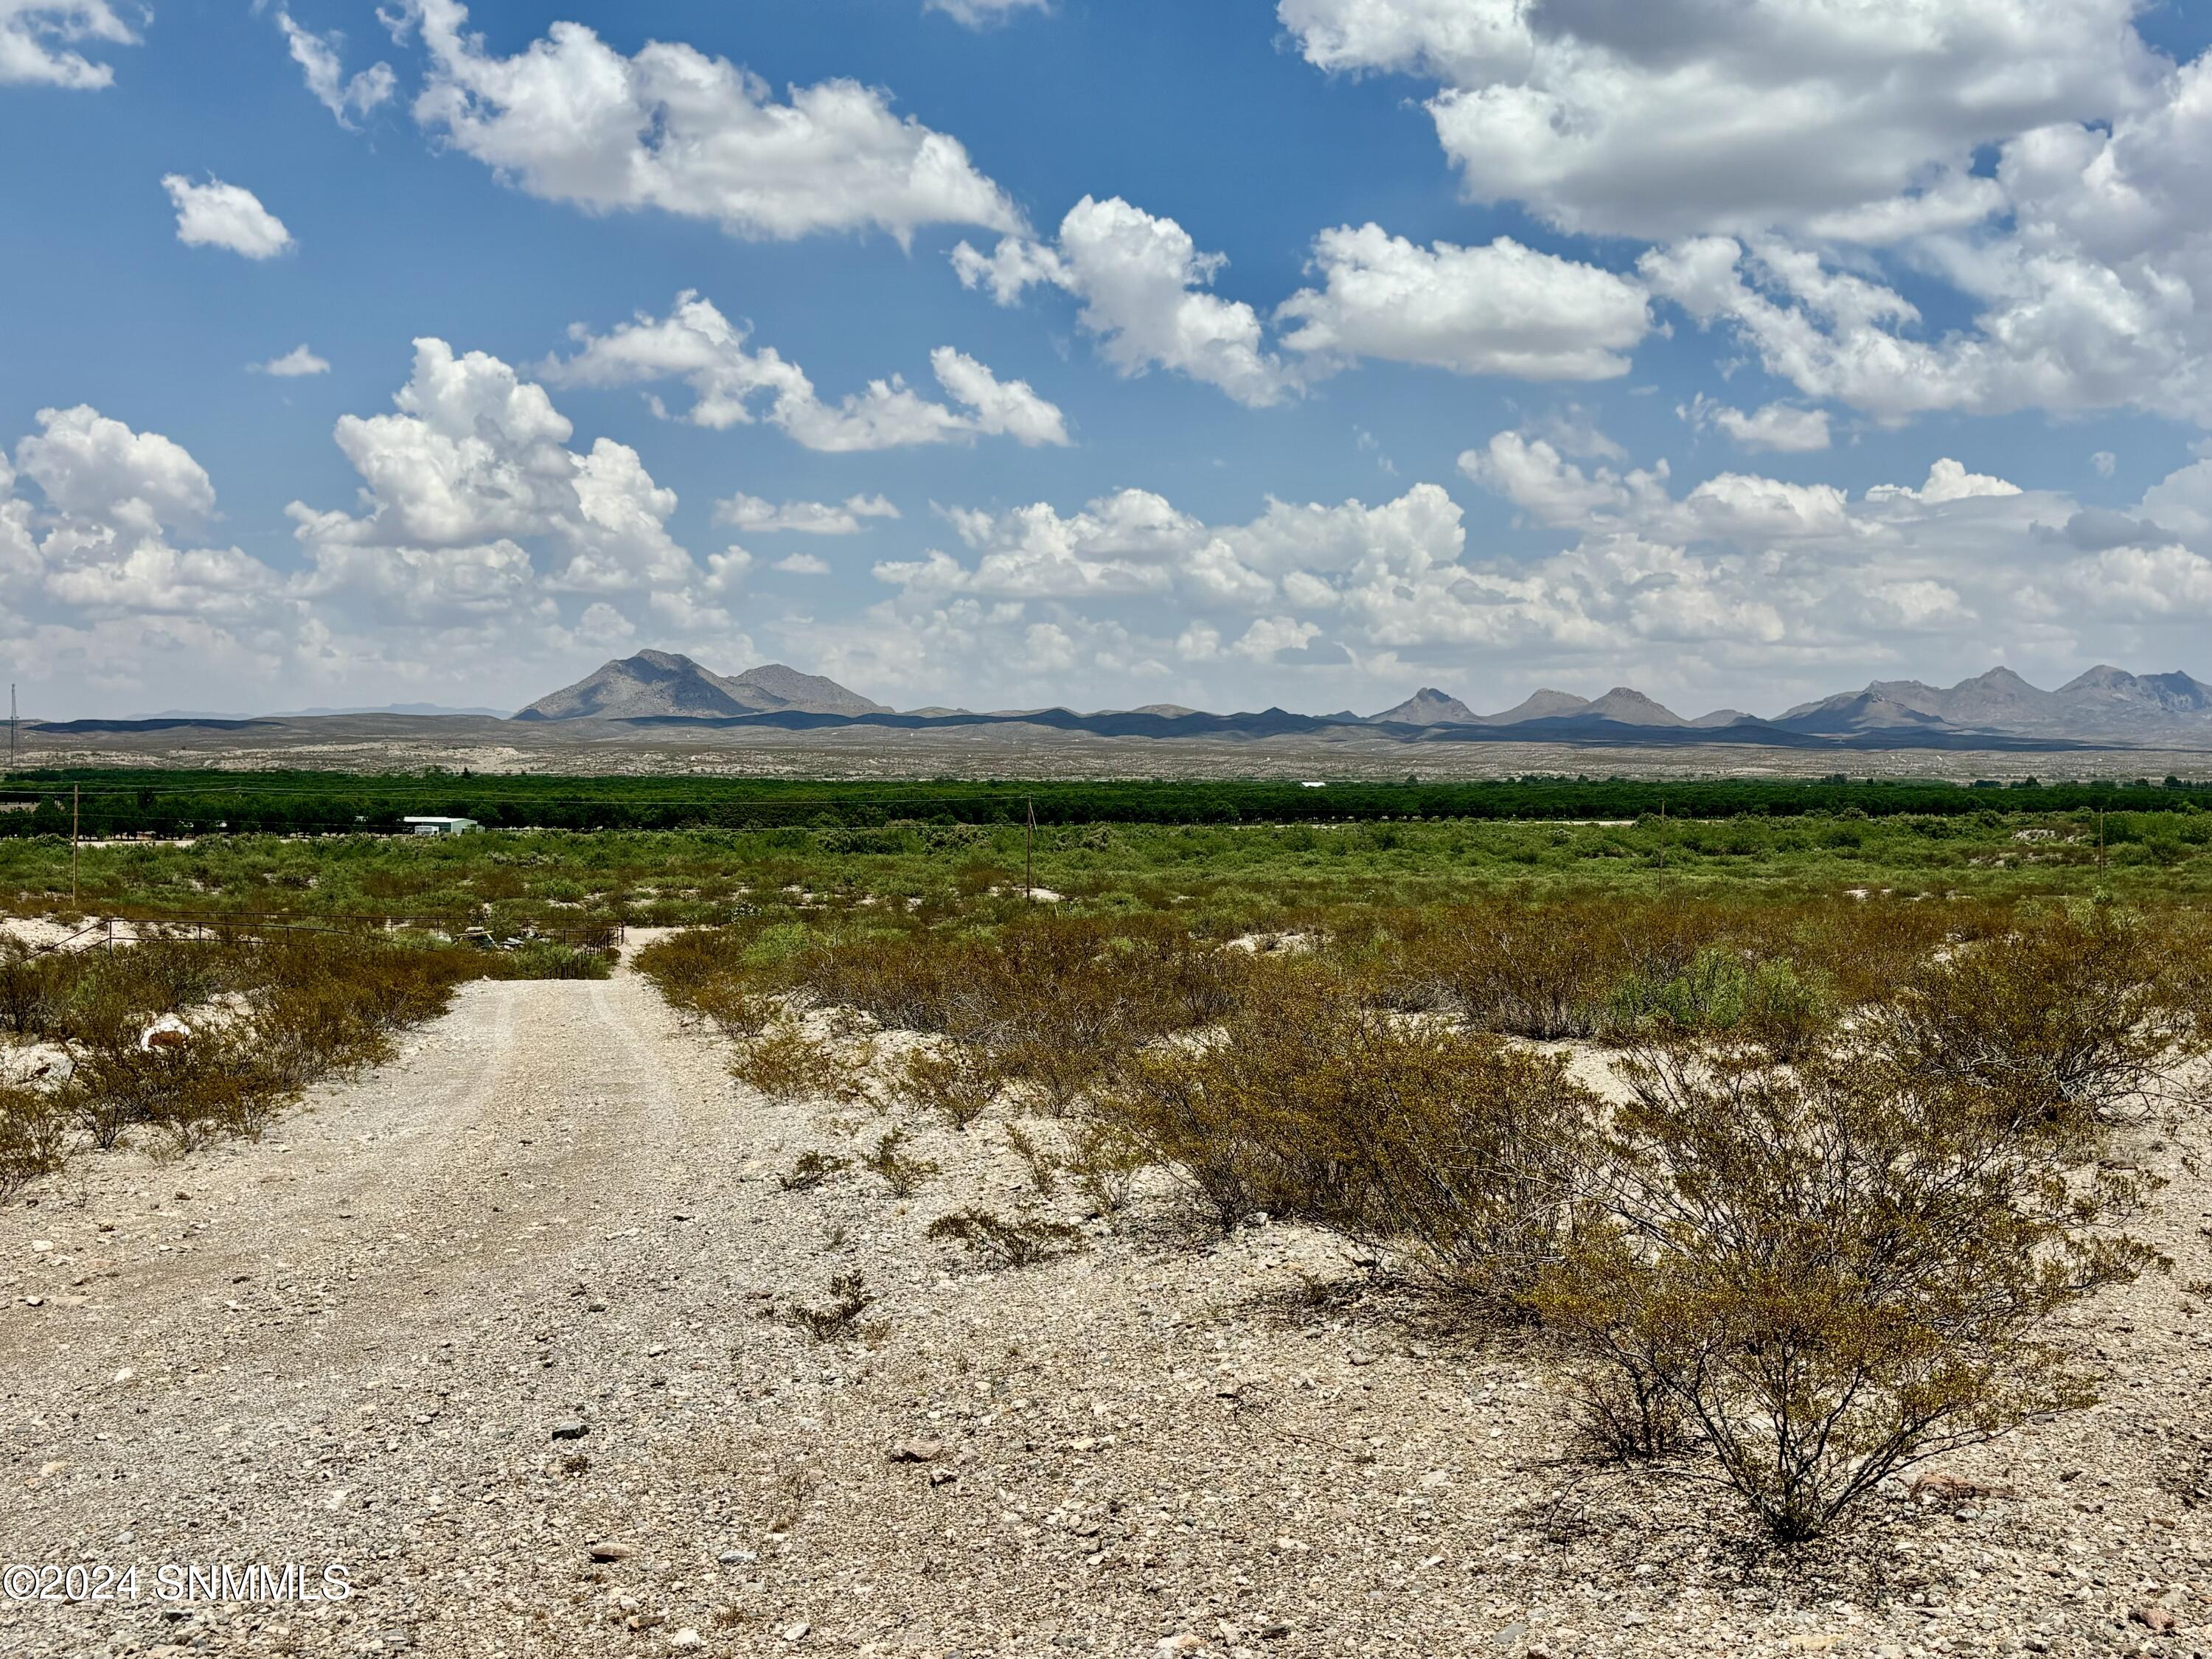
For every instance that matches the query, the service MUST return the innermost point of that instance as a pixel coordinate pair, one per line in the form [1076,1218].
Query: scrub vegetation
[1790,1132]
[176,1042]
[1794,1192]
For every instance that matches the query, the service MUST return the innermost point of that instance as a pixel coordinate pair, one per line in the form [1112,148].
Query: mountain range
[2106,705]
[658,684]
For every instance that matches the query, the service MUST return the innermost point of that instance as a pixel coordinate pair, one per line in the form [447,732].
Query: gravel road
[501,1330]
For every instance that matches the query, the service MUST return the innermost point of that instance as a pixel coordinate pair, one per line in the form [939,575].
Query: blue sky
[1296,352]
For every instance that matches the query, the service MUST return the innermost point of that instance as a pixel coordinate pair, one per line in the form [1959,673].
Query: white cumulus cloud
[1144,289]
[1781,428]
[752,513]
[1669,117]
[103,550]
[217,215]
[317,55]
[39,41]
[1502,309]
[297,361]
[698,344]
[474,462]
[572,119]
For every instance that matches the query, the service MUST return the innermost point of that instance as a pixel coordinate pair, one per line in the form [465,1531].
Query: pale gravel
[351,1343]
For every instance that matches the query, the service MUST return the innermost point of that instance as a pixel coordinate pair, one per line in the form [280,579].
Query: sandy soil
[356,1342]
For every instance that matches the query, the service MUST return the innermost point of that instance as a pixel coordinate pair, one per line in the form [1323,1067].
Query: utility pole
[2100,837]
[1028,856]
[11,725]
[75,802]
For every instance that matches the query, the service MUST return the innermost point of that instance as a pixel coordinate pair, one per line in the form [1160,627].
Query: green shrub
[32,1136]
[1836,1271]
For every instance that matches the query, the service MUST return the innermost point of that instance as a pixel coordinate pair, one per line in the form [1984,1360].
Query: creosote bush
[1459,1152]
[2067,1015]
[812,1170]
[957,1081]
[1859,1173]
[33,1135]
[1835,1271]
[900,1171]
[837,1319]
[1016,1241]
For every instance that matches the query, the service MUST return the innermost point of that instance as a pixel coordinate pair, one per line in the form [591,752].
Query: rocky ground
[506,1330]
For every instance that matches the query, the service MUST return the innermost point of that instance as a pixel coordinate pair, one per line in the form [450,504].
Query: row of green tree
[107,803]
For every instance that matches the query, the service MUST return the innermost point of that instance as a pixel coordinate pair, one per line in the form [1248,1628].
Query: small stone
[797,1632]
[125,1376]
[42,1245]
[1273,1632]
[595,1306]
[1361,1357]
[737,1557]
[917,1451]
[2156,1618]
[1185,1643]
[571,1428]
[34,1302]
[607,1550]
[687,1640]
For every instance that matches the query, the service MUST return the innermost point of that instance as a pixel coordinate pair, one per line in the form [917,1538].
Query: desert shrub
[956,1080]
[1451,1147]
[683,963]
[901,1173]
[1194,1109]
[190,1093]
[1726,992]
[1836,1271]
[1706,996]
[810,1169]
[1051,997]
[33,1135]
[2066,1016]
[266,1018]
[1529,970]
[786,1063]
[997,1241]
[27,989]
[1043,1163]
[838,1318]
[1105,1162]
[1575,967]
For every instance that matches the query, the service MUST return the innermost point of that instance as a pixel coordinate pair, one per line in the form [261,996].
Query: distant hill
[2105,702]
[1426,707]
[1631,707]
[1540,706]
[659,684]
[2105,707]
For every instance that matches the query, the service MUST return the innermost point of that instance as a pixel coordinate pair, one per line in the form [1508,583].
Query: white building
[443,826]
